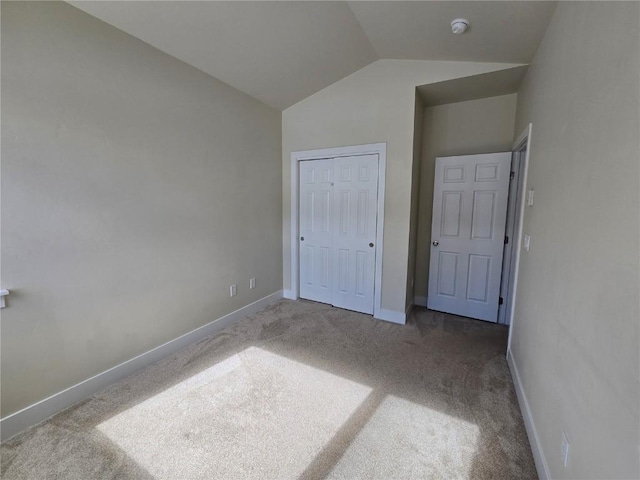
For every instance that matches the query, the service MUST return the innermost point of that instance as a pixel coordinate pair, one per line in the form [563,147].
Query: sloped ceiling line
[281,52]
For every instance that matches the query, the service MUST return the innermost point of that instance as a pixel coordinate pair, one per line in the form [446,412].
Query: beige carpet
[300,390]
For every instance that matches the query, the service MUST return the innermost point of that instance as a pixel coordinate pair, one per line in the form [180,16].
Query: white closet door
[355,214]
[316,229]
[467,233]
[338,216]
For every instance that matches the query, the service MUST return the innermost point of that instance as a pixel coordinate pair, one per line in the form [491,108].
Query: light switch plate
[527,242]
[4,292]
[530,198]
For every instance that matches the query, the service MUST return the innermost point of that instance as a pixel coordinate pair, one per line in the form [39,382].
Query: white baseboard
[391,316]
[532,433]
[289,294]
[36,413]
[420,301]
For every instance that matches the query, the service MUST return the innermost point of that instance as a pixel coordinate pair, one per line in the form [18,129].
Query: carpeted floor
[299,390]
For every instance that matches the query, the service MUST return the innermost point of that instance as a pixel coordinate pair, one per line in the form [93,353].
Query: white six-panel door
[316,229]
[467,234]
[355,199]
[338,213]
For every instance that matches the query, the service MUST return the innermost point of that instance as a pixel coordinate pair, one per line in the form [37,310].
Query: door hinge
[500,301]
[512,175]
[506,240]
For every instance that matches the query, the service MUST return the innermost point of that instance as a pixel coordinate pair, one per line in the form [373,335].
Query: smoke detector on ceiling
[459,26]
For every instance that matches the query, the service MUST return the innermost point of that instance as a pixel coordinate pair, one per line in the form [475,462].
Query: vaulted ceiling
[281,52]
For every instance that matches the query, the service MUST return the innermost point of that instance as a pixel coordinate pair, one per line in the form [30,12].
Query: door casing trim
[348,151]
[524,139]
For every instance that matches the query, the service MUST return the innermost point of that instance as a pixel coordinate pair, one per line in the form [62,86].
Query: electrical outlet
[252,283]
[564,450]
[233,290]
[527,242]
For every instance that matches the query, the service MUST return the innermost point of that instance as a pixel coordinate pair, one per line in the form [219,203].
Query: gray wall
[464,128]
[576,325]
[135,190]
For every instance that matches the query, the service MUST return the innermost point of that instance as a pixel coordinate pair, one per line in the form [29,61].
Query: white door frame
[508,258]
[374,148]
[523,139]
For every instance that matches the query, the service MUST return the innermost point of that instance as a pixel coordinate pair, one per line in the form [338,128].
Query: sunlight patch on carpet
[256,414]
[405,440]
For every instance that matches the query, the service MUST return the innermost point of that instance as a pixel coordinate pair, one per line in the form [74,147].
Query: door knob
[371,244]
[302,239]
[436,243]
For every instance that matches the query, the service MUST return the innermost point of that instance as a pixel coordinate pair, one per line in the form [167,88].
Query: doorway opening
[513,227]
[476,230]
[470,198]
[509,286]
